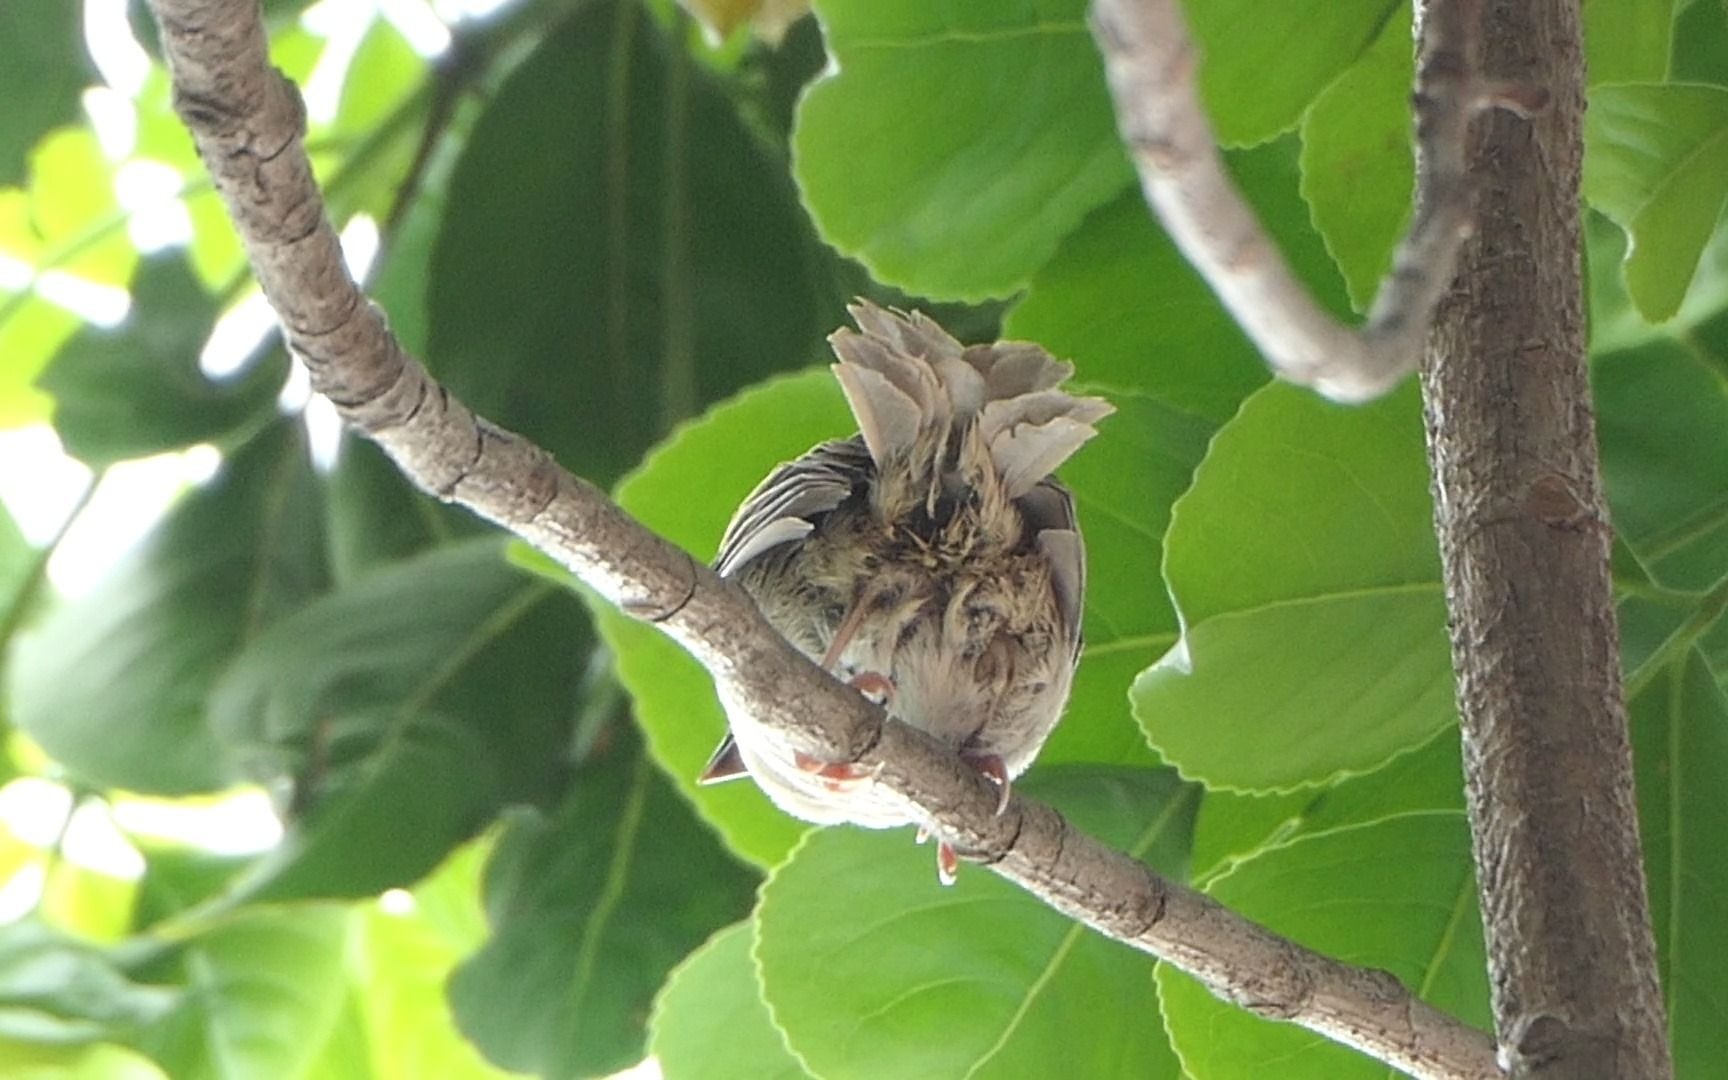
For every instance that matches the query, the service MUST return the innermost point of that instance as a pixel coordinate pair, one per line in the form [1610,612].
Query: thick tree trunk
[1525,540]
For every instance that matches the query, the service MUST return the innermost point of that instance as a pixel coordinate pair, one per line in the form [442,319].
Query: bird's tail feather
[912,387]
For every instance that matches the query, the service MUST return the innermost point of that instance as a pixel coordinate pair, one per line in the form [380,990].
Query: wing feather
[786,505]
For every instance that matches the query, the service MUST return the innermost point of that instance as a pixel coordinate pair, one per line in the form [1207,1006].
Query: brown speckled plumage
[934,544]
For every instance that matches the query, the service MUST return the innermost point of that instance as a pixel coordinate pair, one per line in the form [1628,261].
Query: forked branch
[1151,62]
[247,121]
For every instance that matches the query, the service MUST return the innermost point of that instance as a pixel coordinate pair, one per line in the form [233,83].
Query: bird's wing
[786,506]
[1049,510]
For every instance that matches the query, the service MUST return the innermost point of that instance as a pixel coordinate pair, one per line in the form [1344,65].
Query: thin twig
[1151,62]
[247,121]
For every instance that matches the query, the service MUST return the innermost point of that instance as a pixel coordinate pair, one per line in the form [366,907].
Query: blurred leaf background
[306,775]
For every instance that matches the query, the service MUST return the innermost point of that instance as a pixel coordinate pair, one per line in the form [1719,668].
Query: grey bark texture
[1525,541]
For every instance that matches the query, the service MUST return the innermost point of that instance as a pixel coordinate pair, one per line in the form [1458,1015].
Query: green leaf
[57,990]
[398,971]
[42,70]
[1656,162]
[710,1022]
[18,566]
[686,491]
[1662,418]
[377,127]
[874,969]
[263,992]
[1397,894]
[406,709]
[179,878]
[113,684]
[136,389]
[1700,39]
[1261,64]
[1165,333]
[99,1061]
[1233,826]
[67,221]
[1627,40]
[71,199]
[951,147]
[1358,170]
[1303,563]
[1680,738]
[590,910]
[646,256]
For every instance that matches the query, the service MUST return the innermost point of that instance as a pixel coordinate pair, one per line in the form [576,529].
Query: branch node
[649,612]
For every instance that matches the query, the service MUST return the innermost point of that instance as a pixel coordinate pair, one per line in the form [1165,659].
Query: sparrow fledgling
[931,561]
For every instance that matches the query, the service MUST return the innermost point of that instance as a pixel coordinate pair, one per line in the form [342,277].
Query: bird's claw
[837,776]
[996,772]
[947,863]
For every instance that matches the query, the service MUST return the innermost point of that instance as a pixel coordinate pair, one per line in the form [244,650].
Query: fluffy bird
[931,560]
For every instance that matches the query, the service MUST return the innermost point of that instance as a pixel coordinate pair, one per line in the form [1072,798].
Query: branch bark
[1151,62]
[1524,538]
[247,121]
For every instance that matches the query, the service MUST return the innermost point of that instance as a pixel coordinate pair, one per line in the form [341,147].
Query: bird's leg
[840,777]
[843,634]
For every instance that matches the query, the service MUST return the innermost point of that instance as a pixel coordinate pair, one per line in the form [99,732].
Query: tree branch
[247,120]
[1151,63]
[1524,538]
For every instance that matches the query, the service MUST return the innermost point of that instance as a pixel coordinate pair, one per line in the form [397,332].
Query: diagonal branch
[247,120]
[1151,62]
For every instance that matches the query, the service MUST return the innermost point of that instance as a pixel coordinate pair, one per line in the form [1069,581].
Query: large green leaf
[645,256]
[1358,171]
[951,147]
[1175,365]
[1628,40]
[874,969]
[590,910]
[1662,416]
[1261,64]
[1234,826]
[398,965]
[406,709]
[1304,565]
[710,1022]
[137,390]
[686,491]
[1122,303]
[1680,736]
[1656,161]
[263,992]
[42,69]
[1397,895]
[113,685]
